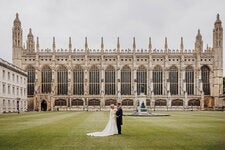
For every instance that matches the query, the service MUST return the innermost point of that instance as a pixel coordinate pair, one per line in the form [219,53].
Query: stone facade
[71,79]
[13,88]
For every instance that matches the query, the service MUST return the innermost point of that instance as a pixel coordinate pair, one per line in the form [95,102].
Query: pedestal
[142,107]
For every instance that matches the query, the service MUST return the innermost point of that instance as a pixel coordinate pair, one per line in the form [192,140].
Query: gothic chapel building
[87,79]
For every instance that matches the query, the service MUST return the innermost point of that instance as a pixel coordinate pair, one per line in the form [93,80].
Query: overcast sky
[110,18]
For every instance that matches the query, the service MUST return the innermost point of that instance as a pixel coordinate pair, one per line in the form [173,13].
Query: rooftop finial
[150,43]
[166,45]
[134,43]
[118,43]
[37,45]
[70,43]
[218,16]
[86,43]
[17,21]
[181,44]
[102,43]
[218,22]
[30,32]
[53,44]
[199,36]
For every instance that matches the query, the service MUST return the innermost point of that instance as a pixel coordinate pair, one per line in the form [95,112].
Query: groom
[119,115]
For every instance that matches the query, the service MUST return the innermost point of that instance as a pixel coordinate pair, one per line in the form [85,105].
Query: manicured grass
[67,130]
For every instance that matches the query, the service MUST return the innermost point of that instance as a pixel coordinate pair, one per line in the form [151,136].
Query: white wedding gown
[111,127]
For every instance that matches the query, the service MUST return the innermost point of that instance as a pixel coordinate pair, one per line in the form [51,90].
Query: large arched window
[110,81]
[142,80]
[46,79]
[205,79]
[94,81]
[62,78]
[30,81]
[78,81]
[157,80]
[173,79]
[126,81]
[189,77]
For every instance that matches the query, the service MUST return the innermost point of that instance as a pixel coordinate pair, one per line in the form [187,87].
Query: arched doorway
[43,105]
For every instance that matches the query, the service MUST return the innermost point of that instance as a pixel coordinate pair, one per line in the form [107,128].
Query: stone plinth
[142,107]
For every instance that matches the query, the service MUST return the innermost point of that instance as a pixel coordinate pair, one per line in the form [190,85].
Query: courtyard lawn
[67,130]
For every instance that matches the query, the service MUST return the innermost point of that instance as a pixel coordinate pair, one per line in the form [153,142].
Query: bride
[111,127]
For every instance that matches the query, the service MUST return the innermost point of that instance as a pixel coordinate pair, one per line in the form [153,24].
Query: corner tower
[218,58]
[17,42]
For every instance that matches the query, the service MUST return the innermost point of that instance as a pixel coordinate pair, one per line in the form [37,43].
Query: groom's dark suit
[119,119]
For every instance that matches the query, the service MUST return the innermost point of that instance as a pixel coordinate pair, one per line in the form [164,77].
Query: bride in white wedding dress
[111,127]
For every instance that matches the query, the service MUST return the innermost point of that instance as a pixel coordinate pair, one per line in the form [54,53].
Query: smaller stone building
[13,88]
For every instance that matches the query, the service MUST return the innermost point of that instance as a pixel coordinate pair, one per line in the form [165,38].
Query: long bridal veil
[110,128]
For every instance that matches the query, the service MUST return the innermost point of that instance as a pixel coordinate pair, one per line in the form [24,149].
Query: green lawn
[67,130]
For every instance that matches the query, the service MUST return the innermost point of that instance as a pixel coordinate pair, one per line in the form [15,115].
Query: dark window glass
[46,79]
[78,81]
[157,80]
[30,81]
[94,81]
[110,81]
[62,79]
[142,80]
[173,79]
[189,78]
[126,81]
[205,79]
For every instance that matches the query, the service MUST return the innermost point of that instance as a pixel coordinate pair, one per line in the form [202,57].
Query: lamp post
[18,105]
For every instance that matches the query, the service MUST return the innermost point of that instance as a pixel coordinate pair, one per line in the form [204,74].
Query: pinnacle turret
[102,43]
[218,21]
[181,44]
[37,44]
[166,45]
[17,41]
[17,21]
[53,44]
[17,32]
[150,44]
[218,33]
[134,43]
[86,43]
[70,43]
[198,42]
[118,43]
